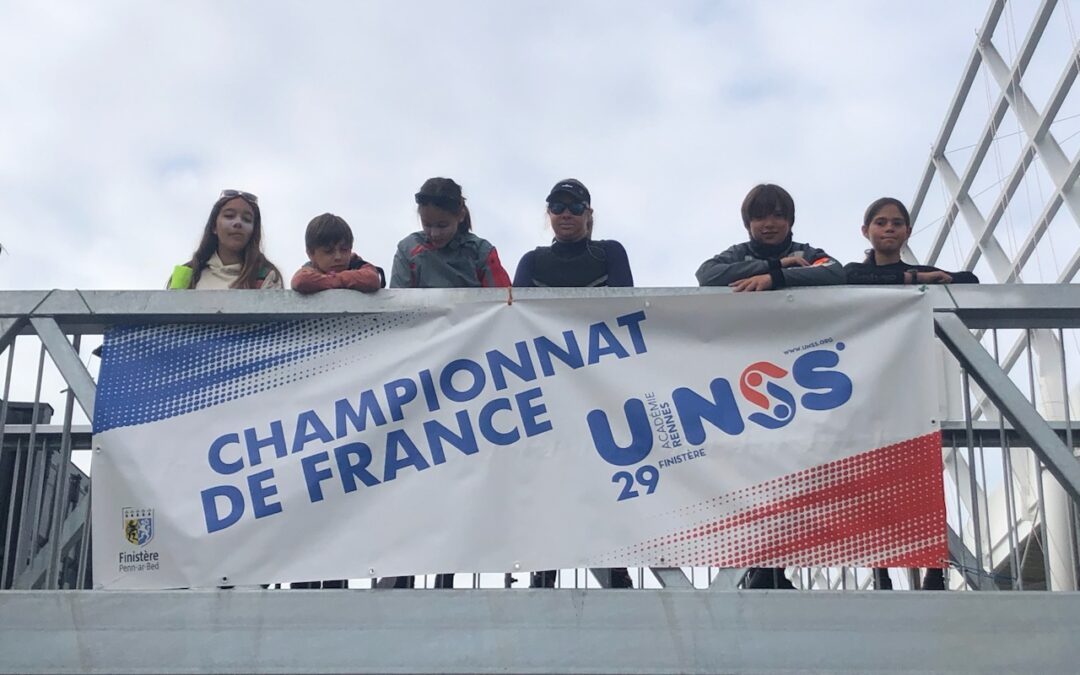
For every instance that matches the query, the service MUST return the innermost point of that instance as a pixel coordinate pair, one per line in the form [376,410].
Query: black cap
[572,187]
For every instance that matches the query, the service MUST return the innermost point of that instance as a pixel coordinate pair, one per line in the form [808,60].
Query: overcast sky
[123,120]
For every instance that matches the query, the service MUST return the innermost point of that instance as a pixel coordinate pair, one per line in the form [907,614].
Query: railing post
[1010,401]
[67,362]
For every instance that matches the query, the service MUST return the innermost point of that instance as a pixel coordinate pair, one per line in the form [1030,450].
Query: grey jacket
[749,259]
[467,261]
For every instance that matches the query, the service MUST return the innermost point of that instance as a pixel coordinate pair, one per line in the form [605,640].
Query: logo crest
[138,525]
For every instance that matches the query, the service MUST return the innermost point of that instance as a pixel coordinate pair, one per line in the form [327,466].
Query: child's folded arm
[365,278]
[310,280]
[823,271]
[728,267]
[863,273]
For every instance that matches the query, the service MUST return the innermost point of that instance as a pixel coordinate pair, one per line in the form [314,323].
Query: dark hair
[254,260]
[879,204]
[766,199]
[327,230]
[445,194]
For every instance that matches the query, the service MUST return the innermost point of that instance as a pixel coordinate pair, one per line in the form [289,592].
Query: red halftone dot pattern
[882,508]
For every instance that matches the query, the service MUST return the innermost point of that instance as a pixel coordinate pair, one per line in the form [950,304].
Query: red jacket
[361,276]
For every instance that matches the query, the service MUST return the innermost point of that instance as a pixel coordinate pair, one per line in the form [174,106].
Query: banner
[652,429]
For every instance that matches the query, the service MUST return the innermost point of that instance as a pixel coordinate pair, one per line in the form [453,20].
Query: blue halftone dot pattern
[150,373]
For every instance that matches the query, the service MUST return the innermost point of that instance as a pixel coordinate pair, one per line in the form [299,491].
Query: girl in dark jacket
[445,253]
[887,226]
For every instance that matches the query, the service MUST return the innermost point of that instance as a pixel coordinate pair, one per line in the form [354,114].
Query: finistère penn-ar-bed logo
[138,525]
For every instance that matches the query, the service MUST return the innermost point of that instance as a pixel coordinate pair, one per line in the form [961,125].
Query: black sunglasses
[246,196]
[445,203]
[576,208]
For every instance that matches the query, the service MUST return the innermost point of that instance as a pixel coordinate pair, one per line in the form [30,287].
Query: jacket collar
[767,251]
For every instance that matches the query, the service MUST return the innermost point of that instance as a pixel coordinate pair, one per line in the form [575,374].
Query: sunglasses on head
[576,208]
[246,196]
[444,203]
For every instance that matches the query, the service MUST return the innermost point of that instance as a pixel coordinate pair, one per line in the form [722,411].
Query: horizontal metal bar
[988,434]
[78,431]
[537,631]
[22,303]
[93,311]
[10,328]
[1016,305]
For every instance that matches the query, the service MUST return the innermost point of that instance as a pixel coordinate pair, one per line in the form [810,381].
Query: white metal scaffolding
[1040,150]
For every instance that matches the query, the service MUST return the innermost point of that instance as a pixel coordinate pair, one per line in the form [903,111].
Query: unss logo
[817,385]
[138,525]
[749,385]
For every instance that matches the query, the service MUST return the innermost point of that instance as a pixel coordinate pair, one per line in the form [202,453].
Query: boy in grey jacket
[770,259]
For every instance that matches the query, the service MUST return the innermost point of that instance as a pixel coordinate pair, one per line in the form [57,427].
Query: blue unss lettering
[810,371]
[641,438]
[782,413]
[722,412]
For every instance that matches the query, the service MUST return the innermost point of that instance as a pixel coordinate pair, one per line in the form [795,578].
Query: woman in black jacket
[574,259]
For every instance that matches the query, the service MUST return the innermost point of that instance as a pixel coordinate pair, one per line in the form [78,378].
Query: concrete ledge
[538,631]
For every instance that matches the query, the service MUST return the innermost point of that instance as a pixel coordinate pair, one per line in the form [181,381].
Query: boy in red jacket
[332,263]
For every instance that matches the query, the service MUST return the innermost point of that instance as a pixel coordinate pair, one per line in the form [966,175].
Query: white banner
[793,427]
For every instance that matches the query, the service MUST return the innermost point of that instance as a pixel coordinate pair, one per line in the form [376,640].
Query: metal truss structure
[1056,523]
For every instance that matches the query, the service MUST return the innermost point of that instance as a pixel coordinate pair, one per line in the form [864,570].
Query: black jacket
[583,263]
[869,272]
[752,258]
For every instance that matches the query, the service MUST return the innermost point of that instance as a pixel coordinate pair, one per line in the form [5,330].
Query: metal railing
[1012,480]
